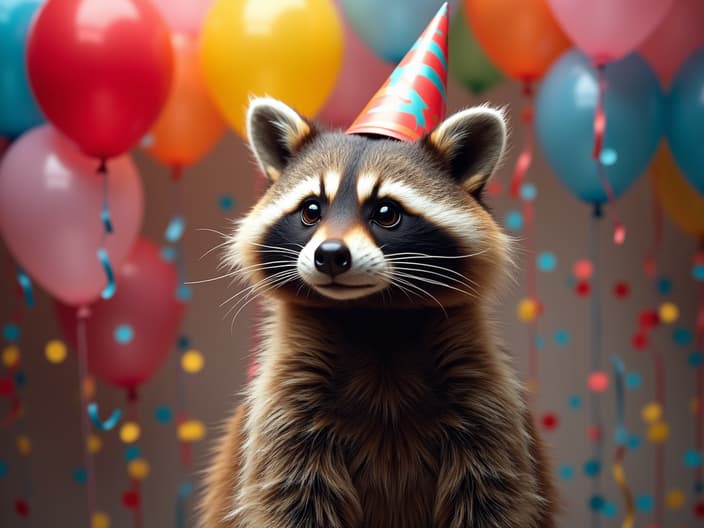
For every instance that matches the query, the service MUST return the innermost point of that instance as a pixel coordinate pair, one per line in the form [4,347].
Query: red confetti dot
[598,381]
[7,387]
[594,433]
[493,188]
[582,269]
[549,421]
[583,289]
[639,341]
[699,510]
[131,499]
[649,267]
[648,319]
[621,290]
[21,508]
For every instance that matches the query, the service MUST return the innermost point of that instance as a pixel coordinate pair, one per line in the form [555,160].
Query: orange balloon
[520,36]
[682,203]
[189,124]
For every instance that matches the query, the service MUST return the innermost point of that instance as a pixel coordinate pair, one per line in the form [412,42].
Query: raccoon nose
[333,257]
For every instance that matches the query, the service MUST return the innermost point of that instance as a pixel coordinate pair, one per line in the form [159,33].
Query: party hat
[412,100]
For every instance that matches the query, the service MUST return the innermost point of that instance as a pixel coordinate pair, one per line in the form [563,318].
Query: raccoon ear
[276,132]
[472,141]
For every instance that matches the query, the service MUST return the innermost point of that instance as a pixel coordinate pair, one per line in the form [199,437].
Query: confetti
[566,472]
[675,499]
[183,293]
[639,341]
[664,285]
[55,351]
[95,444]
[138,469]
[11,332]
[11,356]
[106,425]
[175,229]
[132,452]
[110,287]
[609,510]
[695,359]
[21,508]
[583,289]
[699,510]
[574,402]
[634,380]
[4,468]
[100,520]
[634,442]
[130,432]
[608,157]
[651,412]
[594,432]
[669,313]
[226,202]
[596,503]
[191,431]
[682,336]
[562,337]
[621,290]
[131,499]
[645,503]
[598,381]
[546,261]
[24,445]
[163,414]
[592,468]
[79,476]
[123,334]
[698,272]
[648,319]
[692,458]
[529,192]
[582,269]
[168,253]
[658,433]
[550,421]
[26,284]
[528,310]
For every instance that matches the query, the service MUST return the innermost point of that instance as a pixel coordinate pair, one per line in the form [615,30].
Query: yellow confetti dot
[669,313]
[675,499]
[658,432]
[191,431]
[652,412]
[89,387]
[192,361]
[10,356]
[527,310]
[138,469]
[100,520]
[55,351]
[24,445]
[95,444]
[129,432]
[532,386]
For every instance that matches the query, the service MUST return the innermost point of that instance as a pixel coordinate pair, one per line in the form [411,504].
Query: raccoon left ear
[276,132]
[472,141]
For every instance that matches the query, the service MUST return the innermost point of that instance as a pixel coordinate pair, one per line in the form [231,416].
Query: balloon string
[102,253]
[133,416]
[82,316]
[699,428]
[659,371]
[596,351]
[617,469]
[26,284]
[600,122]
[525,158]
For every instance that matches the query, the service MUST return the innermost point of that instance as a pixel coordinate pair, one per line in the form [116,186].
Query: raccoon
[383,399]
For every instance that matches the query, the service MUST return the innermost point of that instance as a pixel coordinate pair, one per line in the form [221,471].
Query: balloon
[682,203]
[520,36]
[129,336]
[391,27]
[289,50]
[469,65]
[564,122]
[50,202]
[189,124]
[361,76]
[685,127]
[18,110]
[183,16]
[608,30]
[677,37]
[100,70]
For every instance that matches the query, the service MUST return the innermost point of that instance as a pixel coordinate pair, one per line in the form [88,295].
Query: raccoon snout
[333,257]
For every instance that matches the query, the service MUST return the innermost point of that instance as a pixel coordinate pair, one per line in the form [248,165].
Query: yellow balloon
[682,203]
[287,49]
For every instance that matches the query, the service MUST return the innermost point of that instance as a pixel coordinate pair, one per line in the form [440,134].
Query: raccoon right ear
[276,132]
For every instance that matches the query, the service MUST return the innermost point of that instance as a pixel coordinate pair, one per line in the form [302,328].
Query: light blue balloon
[390,27]
[18,110]
[685,126]
[564,122]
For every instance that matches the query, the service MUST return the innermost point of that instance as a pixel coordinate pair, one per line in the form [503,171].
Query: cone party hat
[412,100]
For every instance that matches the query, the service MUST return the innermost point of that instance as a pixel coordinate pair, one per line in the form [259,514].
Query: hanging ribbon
[525,158]
[26,284]
[106,219]
[106,425]
[596,331]
[699,427]
[617,469]
[133,416]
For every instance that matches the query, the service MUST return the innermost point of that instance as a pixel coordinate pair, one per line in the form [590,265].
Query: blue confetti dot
[698,487]
[664,285]
[528,192]
[634,442]
[698,272]
[185,489]
[562,337]
[79,475]
[566,472]
[174,231]
[184,342]
[621,435]
[123,334]
[168,253]
[226,202]
[609,510]
[11,332]
[132,452]
[4,468]
[692,458]
[183,293]
[596,503]
[547,261]
[682,336]
[645,503]
[608,157]
[695,359]
[514,221]
[21,378]
[634,380]
[163,414]
[539,342]
[592,468]
[574,402]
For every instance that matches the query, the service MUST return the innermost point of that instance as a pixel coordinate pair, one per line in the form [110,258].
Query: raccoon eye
[386,214]
[310,212]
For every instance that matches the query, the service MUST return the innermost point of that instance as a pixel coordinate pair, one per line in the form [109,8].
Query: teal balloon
[685,127]
[18,110]
[564,122]
[469,65]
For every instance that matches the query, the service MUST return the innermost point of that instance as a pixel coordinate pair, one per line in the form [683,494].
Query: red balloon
[100,71]
[130,335]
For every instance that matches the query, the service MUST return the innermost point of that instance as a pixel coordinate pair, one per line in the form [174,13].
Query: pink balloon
[130,335]
[50,203]
[362,75]
[675,38]
[607,30]
[185,16]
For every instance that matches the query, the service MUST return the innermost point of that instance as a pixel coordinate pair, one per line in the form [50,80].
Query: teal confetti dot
[547,261]
[566,472]
[226,202]
[621,435]
[514,221]
[163,414]
[21,378]
[592,468]
[11,332]
[183,293]
[609,510]
[562,337]
[645,503]
[123,334]
[79,476]
[174,231]
[528,192]
[574,402]
[4,468]
[696,359]
[184,342]
[596,503]
[608,157]
[692,458]
[185,489]
[132,452]
[682,336]
[664,285]
[539,342]
[633,380]
[168,253]
[698,487]
[634,442]
[698,272]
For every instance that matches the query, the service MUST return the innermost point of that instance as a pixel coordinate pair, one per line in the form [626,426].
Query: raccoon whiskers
[287,277]
[470,288]
[221,244]
[289,266]
[404,285]
[408,255]
[409,261]
[239,271]
[433,282]
[279,248]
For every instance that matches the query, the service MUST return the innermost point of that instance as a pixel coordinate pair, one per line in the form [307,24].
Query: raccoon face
[372,221]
